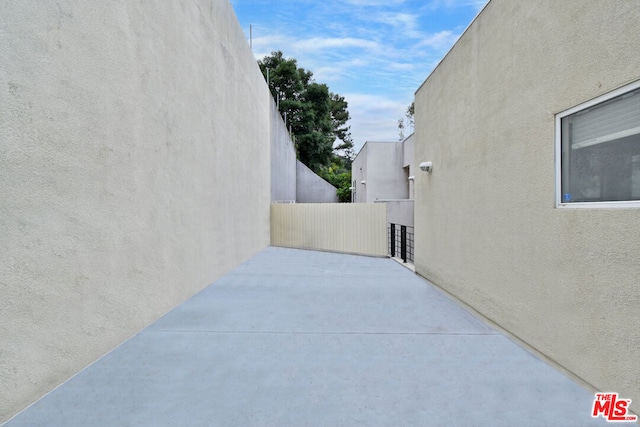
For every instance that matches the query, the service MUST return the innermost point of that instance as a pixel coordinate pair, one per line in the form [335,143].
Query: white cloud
[453,4]
[399,66]
[293,47]
[441,41]
[403,23]
[374,2]
[264,45]
[328,74]
[374,117]
[321,43]
[375,53]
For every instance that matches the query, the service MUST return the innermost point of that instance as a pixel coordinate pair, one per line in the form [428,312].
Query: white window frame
[590,205]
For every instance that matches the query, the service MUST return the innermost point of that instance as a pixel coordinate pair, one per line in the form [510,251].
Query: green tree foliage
[338,174]
[408,114]
[340,117]
[316,116]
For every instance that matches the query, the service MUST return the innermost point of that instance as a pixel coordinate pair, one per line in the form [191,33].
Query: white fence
[340,227]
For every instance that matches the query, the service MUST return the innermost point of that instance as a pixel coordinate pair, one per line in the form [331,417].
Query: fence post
[403,243]
[392,237]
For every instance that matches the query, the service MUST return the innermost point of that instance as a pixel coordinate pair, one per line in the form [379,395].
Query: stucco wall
[339,227]
[134,171]
[358,174]
[408,146]
[399,211]
[380,164]
[310,188]
[565,281]
[385,177]
[283,160]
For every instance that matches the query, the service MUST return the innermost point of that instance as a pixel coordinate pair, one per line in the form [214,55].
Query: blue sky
[375,53]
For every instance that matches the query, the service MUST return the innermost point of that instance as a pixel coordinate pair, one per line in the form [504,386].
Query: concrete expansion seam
[320,333]
[515,339]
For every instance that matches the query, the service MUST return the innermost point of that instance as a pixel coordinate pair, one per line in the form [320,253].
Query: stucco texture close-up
[130,132]
[564,281]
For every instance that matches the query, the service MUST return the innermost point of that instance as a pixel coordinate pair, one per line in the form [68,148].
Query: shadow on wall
[310,188]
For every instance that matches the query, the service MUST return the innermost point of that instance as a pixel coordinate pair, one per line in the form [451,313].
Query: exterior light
[426,166]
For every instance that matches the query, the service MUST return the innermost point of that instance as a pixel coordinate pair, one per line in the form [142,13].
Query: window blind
[614,119]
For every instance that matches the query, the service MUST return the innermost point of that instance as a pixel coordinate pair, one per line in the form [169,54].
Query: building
[383,171]
[531,213]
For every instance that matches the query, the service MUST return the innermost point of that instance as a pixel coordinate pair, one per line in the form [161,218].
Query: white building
[382,171]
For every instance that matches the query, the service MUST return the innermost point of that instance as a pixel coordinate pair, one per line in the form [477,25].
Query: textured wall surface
[385,176]
[408,147]
[400,211]
[283,160]
[380,164]
[134,171]
[358,174]
[565,281]
[310,188]
[338,227]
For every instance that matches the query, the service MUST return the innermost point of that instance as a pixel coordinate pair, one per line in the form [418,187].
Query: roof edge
[454,45]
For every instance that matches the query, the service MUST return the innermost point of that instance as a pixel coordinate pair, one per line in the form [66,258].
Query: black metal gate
[400,241]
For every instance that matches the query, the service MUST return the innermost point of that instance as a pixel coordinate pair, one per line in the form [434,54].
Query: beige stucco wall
[134,171]
[356,228]
[565,281]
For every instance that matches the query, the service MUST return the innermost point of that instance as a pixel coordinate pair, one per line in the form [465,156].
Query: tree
[338,174]
[340,117]
[408,114]
[316,116]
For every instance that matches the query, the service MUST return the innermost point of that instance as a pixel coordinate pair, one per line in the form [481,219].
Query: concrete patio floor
[305,338]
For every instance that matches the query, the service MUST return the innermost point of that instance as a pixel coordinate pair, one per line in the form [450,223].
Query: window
[599,151]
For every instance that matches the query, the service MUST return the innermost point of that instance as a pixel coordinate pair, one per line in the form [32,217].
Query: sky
[375,53]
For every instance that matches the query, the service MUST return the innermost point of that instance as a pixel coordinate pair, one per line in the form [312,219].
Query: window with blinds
[600,149]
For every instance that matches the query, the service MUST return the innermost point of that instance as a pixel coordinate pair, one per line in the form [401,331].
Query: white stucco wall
[385,177]
[359,174]
[380,164]
[134,171]
[565,281]
[408,147]
[310,188]
[399,211]
[283,160]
